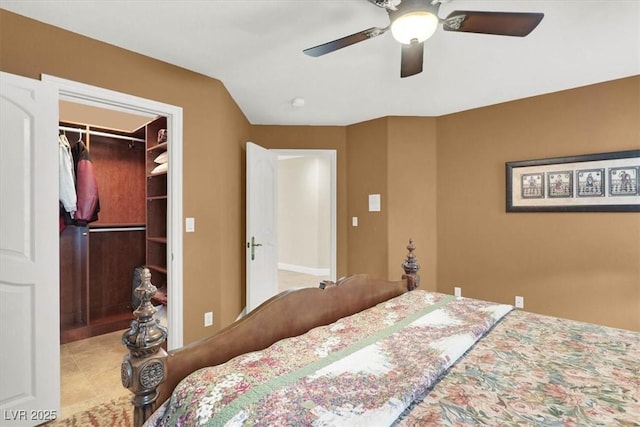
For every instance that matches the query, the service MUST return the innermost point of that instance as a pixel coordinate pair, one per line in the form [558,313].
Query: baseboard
[305,270]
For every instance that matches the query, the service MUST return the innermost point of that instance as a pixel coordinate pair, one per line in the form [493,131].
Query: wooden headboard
[152,374]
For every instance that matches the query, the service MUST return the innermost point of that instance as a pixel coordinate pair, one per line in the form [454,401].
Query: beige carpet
[114,413]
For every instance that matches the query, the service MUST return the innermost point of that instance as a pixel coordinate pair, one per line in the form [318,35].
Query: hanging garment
[66,183]
[67,187]
[88,203]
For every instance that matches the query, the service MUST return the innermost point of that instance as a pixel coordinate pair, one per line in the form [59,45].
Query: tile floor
[90,368]
[90,372]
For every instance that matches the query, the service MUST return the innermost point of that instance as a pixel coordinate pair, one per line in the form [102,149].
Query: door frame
[333,191]
[81,93]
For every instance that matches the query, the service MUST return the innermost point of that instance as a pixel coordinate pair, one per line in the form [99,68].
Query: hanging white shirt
[67,180]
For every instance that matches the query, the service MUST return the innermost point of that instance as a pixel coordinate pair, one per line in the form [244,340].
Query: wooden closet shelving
[97,261]
[156,206]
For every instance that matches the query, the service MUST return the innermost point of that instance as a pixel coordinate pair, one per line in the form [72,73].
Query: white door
[261,247]
[29,252]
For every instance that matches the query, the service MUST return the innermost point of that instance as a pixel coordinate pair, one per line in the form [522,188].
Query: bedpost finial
[144,368]
[411,247]
[411,267]
[146,335]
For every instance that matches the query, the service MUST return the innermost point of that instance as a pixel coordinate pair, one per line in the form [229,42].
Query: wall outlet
[519,302]
[457,292]
[208,318]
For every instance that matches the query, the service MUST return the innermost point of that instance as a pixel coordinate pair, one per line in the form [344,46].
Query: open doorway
[100,250]
[262,223]
[306,217]
[119,128]
[79,93]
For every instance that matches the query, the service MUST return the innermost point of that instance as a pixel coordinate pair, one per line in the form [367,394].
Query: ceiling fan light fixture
[414,27]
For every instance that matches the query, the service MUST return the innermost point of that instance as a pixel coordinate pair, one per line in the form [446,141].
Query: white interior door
[29,265]
[262,220]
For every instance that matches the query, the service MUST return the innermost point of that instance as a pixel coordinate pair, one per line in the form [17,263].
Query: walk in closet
[98,259]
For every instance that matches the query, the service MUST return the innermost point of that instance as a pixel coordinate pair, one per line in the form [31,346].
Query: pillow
[162,168]
[162,158]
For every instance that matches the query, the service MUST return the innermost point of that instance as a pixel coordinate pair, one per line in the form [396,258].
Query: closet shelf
[87,129]
[157,268]
[156,174]
[118,224]
[164,197]
[157,239]
[157,147]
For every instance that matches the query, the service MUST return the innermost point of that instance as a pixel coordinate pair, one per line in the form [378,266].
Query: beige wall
[578,265]
[583,266]
[367,174]
[215,132]
[412,195]
[396,158]
[304,215]
[442,182]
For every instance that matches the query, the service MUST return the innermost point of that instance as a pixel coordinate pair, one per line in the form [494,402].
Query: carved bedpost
[411,267]
[144,368]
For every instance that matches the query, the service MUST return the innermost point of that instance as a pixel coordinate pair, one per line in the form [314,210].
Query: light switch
[208,318]
[190,225]
[354,221]
[374,203]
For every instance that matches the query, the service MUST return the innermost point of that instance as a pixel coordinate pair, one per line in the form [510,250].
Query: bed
[366,351]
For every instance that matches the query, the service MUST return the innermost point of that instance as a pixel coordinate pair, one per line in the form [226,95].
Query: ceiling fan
[414,21]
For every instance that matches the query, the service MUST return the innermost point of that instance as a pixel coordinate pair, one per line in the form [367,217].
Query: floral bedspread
[364,369]
[535,370]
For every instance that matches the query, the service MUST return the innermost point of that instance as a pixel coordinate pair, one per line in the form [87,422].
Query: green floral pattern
[535,370]
[361,370]
[529,370]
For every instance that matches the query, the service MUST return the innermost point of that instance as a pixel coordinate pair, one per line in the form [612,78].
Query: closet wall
[97,261]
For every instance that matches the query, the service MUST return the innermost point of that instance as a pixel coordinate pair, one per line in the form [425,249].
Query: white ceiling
[255,48]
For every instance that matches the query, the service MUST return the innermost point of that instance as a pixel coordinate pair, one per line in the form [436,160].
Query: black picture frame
[603,182]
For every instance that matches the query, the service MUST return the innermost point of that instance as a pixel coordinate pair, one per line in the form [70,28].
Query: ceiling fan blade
[411,59]
[498,23]
[345,41]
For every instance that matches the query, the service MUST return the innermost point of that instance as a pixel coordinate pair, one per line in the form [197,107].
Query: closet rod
[106,229]
[98,133]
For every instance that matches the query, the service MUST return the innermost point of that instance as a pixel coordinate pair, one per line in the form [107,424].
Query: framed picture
[605,182]
[532,186]
[590,183]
